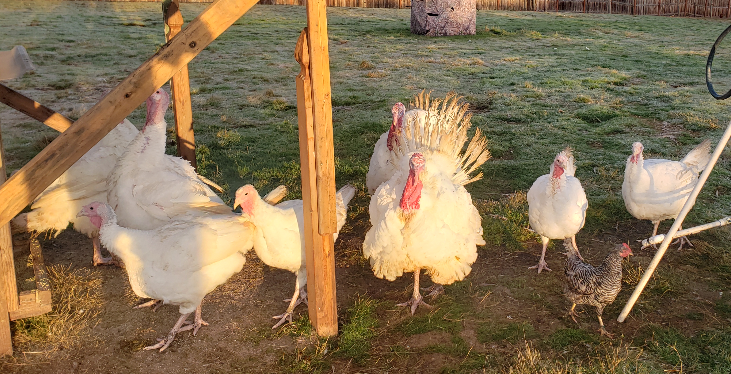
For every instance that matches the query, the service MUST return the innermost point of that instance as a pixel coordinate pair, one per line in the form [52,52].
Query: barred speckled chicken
[596,286]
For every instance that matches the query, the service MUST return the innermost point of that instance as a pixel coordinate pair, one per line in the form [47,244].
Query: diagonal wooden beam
[33,109]
[58,156]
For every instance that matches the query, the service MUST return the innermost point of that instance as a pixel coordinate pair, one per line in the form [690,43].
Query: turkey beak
[237,203]
[82,213]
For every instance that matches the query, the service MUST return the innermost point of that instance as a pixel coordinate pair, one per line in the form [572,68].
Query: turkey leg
[434,291]
[197,322]
[542,263]
[416,298]
[98,258]
[300,295]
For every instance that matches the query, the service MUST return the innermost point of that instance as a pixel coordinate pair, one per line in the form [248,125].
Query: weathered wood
[307,169]
[58,156]
[34,110]
[318,248]
[444,17]
[322,114]
[30,305]
[8,287]
[6,341]
[180,88]
[7,266]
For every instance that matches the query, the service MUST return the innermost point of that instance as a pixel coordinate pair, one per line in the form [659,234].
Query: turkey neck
[397,124]
[558,180]
[412,192]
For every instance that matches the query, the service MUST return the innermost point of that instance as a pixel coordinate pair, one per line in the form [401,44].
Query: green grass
[536,82]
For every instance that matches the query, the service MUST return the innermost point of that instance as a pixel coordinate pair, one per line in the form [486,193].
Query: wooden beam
[33,109]
[318,248]
[8,287]
[180,88]
[35,302]
[58,156]
[322,114]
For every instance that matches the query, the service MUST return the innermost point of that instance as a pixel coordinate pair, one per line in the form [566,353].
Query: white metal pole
[678,222]
[660,237]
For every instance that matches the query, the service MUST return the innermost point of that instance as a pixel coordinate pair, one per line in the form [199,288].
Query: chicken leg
[416,298]
[602,330]
[300,295]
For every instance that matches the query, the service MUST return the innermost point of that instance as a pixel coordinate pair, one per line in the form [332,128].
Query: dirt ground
[239,338]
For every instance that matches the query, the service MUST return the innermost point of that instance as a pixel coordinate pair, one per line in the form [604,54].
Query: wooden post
[58,156]
[8,287]
[321,279]
[33,109]
[180,88]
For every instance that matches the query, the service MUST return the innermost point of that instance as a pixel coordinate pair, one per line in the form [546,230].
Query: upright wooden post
[180,88]
[8,287]
[321,273]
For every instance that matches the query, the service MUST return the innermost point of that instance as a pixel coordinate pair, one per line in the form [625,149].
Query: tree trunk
[443,17]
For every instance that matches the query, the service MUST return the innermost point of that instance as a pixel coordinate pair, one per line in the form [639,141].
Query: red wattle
[557,171]
[412,193]
[96,221]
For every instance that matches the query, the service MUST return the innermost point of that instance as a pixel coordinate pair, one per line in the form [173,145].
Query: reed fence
[674,8]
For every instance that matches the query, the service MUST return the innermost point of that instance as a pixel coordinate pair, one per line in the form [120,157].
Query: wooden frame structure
[315,118]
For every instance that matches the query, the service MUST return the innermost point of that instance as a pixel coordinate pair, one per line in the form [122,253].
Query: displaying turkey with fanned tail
[422,217]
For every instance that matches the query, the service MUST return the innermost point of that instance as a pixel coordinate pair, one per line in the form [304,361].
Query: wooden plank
[34,109]
[29,305]
[180,88]
[58,156]
[39,268]
[7,266]
[322,114]
[318,248]
[8,287]
[307,169]
[323,257]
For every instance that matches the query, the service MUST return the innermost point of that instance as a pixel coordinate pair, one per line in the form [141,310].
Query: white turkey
[84,182]
[148,187]
[179,262]
[557,204]
[382,165]
[657,189]
[279,237]
[423,217]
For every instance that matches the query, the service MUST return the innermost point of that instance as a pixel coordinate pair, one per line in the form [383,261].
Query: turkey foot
[682,240]
[293,302]
[541,266]
[152,303]
[164,343]
[434,290]
[414,303]
[416,298]
[197,322]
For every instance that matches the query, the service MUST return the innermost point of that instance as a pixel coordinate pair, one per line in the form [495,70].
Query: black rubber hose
[708,68]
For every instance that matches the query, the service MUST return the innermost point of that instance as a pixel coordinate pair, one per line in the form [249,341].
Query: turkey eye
[92,208]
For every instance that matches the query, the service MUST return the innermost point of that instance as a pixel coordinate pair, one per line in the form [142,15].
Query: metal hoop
[708,68]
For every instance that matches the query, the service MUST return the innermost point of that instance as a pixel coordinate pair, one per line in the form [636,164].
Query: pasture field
[536,83]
